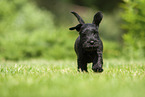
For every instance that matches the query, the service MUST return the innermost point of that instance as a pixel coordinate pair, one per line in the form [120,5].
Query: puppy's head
[89,35]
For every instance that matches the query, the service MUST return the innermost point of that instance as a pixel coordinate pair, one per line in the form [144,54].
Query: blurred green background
[40,28]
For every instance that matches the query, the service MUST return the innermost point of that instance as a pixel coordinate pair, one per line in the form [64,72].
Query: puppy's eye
[95,32]
[83,34]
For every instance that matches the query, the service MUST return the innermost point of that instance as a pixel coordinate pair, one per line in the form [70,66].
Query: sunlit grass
[41,78]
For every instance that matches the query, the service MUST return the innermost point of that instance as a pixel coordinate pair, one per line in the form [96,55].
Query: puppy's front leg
[98,62]
[82,65]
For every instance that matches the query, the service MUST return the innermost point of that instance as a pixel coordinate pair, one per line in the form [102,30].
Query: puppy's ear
[78,27]
[97,18]
[81,21]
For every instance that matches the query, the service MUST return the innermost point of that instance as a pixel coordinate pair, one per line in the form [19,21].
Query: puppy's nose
[92,42]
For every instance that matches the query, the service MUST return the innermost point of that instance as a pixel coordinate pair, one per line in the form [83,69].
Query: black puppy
[88,45]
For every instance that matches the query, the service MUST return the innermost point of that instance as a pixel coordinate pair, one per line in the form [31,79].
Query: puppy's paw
[97,68]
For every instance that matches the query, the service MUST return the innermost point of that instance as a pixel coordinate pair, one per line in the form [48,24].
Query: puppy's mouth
[91,48]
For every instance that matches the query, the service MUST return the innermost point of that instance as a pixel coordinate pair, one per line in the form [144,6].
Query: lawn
[41,78]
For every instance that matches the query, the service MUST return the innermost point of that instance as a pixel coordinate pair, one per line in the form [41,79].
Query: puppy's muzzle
[91,45]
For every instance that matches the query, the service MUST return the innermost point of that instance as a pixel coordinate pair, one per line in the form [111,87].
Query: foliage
[111,50]
[103,5]
[60,79]
[134,38]
[28,32]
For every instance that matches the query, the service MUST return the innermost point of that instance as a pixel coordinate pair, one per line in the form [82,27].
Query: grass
[39,78]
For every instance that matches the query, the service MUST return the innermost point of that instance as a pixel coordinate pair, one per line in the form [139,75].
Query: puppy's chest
[90,56]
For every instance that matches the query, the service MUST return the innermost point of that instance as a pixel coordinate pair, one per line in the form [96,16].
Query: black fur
[88,45]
